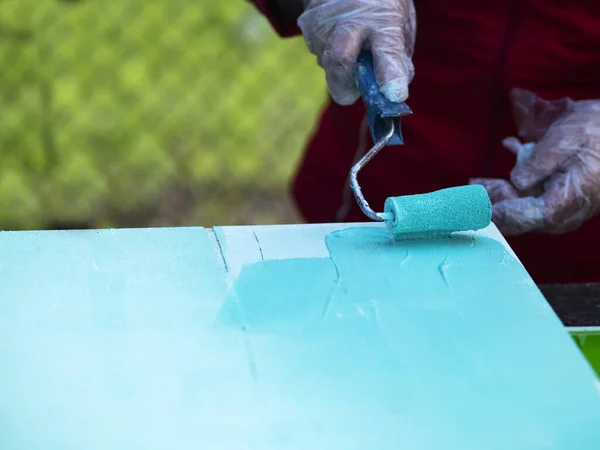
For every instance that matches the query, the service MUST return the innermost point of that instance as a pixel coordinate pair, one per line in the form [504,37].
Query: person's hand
[337,30]
[555,185]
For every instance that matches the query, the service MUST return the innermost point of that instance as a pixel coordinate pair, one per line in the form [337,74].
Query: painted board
[294,337]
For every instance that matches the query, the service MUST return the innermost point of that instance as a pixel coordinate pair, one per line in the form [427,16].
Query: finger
[499,221]
[513,144]
[534,115]
[339,62]
[522,151]
[316,37]
[545,159]
[523,102]
[519,215]
[393,68]
[410,30]
[568,206]
[497,189]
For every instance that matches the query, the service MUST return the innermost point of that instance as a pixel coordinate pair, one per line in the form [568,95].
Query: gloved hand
[555,185]
[337,30]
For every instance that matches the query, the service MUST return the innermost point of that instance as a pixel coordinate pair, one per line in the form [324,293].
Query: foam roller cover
[462,208]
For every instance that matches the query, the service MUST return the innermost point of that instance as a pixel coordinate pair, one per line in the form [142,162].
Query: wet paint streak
[337,285]
[443,268]
[374,347]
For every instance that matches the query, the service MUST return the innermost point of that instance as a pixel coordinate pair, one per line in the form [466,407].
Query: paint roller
[462,208]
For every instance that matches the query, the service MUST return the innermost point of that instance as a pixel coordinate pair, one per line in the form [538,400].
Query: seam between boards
[218,247]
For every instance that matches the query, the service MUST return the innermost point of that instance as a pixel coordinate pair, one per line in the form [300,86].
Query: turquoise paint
[55,278]
[474,337]
[106,342]
[278,295]
[461,208]
[424,344]
[139,339]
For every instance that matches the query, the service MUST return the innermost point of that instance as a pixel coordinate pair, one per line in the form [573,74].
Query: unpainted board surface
[321,337]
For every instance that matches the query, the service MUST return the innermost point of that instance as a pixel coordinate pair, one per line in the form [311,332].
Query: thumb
[393,68]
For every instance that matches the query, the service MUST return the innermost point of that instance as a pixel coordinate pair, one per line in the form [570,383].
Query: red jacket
[468,55]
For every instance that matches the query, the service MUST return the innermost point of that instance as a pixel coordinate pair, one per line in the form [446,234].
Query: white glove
[337,30]
[555,185]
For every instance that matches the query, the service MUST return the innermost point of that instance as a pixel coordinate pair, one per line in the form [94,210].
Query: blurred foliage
[148,112]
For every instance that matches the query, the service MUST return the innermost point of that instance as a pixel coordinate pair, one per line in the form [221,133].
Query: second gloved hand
[337,30]
[555,185]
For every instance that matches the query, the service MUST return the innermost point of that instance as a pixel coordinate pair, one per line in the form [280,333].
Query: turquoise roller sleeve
[462,208]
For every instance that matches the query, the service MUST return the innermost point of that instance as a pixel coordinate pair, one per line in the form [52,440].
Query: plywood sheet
[293,337]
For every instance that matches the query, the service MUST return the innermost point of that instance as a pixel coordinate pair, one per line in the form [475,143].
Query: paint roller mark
[262,256]
[240,314]
[443,268]
[252,367]
[472,237]
[375,308]
[406,258]
[359,310]
[334,289]
[283,298]
[501,262]
[250,359]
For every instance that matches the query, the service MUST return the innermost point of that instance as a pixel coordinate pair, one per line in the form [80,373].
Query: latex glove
[337,30]
[555,185]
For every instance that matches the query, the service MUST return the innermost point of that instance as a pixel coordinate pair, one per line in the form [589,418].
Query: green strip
[588,341]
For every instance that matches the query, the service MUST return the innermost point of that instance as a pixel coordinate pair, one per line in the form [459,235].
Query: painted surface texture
[299,337]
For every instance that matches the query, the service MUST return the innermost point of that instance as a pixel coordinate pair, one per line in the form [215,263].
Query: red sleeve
[285,28]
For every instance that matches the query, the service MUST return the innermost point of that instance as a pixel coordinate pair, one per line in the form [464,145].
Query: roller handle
[379,108]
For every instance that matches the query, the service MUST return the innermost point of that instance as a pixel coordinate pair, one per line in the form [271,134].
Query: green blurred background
[149,113]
